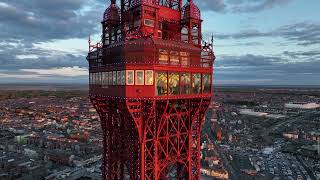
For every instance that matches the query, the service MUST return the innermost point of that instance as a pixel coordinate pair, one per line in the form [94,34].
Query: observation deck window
[93,78]
[90,78]
[123,78]
[185,83]
[118,77]
[139,77]
[114,77]
[196,83]
[161,83]
[174,57]
[163,56]
[110,78]
[174,85]
[206,79]
[105,79]
[185,58]
[130,77]
[96,78]
[149,77]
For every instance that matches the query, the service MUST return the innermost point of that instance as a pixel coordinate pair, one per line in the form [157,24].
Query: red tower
[151,83]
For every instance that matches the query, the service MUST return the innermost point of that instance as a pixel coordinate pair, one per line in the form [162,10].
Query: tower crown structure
[112,13]
[191,10]
[150,80]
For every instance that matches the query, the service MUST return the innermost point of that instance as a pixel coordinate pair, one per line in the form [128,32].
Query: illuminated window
[185,58]
[110,78]
[130,77]
[161,83]
[196,83]
[206,79]
[118,77]
[159,34]
[163,56]
[139,77]
[174,57]
[149,77]
[123,78]
[174,85]
[114,77]
[185,83]
[149,22]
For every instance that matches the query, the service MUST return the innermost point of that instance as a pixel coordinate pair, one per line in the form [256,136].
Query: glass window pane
[114,78]
[185,58]
[196,83]
[174,57]
[195,35]
[110,78]
[206,79]
[123,78]
[103,78]
[184,34]
[161,83]
[118,77]
[185,83]
[174,85]
[130,77]
[98,78]
[106,79]
[149,77]
[149,22]
[139,77]
[163,56]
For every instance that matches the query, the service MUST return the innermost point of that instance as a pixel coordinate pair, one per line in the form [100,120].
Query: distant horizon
[215,86]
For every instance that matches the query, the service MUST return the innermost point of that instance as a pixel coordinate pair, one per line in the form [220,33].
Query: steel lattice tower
[151,83]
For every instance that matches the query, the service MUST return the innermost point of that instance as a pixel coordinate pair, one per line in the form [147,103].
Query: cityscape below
[53,132]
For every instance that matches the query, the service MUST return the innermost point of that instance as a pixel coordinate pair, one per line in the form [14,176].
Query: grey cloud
[276,69]
[46,58]
[249,6]
[212,5]
[26,22]
[39,20]
[305,33]
[240,6]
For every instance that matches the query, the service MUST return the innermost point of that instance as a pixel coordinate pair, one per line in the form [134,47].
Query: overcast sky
[257,42]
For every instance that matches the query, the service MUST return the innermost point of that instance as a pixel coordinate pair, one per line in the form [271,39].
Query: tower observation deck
[151,84]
